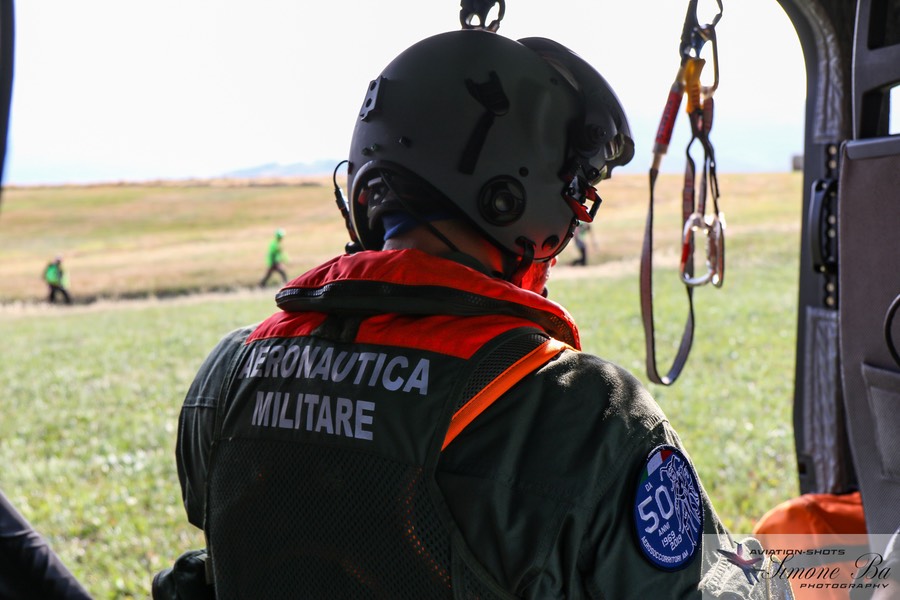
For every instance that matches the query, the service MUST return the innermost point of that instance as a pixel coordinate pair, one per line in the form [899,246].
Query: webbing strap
[687,336]
[694,219]
[500,385]
[694,37]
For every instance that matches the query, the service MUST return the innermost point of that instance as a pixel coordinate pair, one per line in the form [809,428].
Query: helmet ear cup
[502,201]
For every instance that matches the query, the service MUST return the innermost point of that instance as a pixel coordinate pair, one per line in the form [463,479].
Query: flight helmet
[510,135]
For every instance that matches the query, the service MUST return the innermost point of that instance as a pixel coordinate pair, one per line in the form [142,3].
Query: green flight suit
[547,491]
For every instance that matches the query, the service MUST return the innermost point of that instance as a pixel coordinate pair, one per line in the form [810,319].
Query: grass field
[91,392]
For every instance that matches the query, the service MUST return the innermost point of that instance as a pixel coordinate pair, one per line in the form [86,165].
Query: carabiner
[708,90]
[716,256]
[694,35]
[691,25]
[713,229]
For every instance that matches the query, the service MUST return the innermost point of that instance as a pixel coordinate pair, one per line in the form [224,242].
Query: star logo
[744,562]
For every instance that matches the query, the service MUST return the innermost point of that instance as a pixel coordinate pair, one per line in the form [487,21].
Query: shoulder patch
[668,513]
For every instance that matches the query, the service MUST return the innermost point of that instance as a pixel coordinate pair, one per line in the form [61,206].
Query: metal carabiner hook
[694,35]
[708,90]
[716,255]
[694,224]
[691,24]
[713,229]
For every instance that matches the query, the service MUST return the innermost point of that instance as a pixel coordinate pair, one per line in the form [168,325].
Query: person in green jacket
[56,281]
[584,236]
[275,259]
[418,420]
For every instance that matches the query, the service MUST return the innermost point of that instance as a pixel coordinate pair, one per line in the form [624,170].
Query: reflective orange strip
[503,382]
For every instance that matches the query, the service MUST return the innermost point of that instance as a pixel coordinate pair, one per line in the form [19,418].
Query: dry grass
[121,241]
[167,238]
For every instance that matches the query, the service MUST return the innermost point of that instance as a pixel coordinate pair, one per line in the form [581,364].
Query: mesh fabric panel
[300,521]
[294,520]
[498,361]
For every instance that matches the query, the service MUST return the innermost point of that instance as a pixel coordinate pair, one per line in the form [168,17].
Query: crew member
[418,421]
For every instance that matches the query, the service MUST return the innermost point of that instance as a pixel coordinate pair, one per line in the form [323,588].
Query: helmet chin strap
[515,266]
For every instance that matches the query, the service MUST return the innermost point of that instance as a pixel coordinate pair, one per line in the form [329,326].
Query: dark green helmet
[512,134]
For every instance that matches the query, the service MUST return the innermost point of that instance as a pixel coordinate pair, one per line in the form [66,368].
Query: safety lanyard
[694,199]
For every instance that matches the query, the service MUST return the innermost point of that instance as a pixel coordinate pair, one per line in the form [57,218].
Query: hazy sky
[109,90]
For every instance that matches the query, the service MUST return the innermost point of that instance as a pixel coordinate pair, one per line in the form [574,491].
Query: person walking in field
[583,237]
[418,420]
[275,259]
[56,281]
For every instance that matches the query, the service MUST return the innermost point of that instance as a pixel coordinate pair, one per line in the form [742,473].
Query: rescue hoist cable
[694,218]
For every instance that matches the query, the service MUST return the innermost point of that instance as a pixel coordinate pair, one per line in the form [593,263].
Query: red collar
[417,268]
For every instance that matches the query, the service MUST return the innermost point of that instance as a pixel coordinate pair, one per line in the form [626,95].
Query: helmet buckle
[577,193]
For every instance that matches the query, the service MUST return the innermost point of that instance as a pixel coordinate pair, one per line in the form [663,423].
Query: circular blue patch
[668,513]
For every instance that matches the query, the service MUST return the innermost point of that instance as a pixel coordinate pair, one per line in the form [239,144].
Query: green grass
[91,402]
[91,393]
[732,403]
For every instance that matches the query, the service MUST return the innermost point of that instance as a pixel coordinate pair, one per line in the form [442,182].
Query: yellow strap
[503,382]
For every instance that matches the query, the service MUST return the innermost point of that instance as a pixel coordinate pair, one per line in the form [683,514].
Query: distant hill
[319,167]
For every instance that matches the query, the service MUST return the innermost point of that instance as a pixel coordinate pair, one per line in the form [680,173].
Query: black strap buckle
[474,14]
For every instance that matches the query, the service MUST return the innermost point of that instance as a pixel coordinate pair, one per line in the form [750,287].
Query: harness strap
[469,411]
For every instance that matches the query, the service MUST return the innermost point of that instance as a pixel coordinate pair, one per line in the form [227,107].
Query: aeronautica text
[393,372]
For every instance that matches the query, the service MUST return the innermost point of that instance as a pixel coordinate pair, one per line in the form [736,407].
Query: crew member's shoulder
[573,429]
[219,360]
[232,341]
[599,387]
